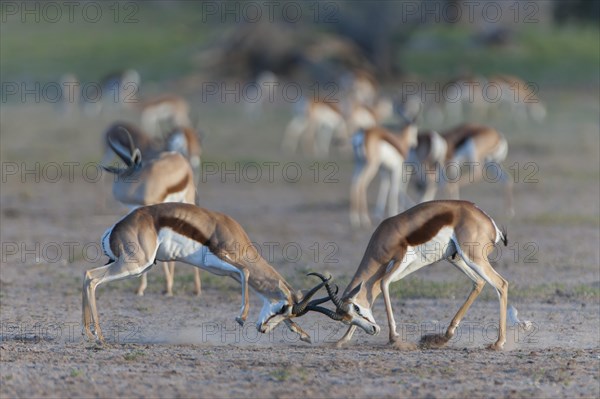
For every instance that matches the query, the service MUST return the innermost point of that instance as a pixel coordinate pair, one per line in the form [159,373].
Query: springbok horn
[129,140]
[333,295]
[112,169]
[327,312]
[315,302]
[117,148]
[298,308]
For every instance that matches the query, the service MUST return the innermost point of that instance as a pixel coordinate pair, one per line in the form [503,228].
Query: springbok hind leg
[438,340]
[169,268]
[93,278]
[483,268]
[143,285]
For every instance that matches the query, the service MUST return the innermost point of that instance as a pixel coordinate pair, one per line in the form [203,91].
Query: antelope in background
[162,113]
[374,149]
[167,177]
[315,127]
[321,121]
[471,145]
[117,89]
[204,239]
[71,94]
[457,231]
[520,97]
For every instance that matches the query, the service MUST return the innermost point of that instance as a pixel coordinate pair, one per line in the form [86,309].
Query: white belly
[174,246]
[439,247]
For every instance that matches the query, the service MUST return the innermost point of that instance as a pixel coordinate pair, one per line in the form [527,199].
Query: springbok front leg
[244,275]
[347,337]
[197,283]
[296,328]
[385,290]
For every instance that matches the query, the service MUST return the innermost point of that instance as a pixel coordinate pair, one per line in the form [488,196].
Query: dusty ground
[187,346]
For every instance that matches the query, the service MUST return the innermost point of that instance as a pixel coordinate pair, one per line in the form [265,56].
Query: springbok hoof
[496,347]
[430,341]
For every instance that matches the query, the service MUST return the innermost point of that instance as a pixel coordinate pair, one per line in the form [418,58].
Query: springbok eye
[283,309]
[356,309]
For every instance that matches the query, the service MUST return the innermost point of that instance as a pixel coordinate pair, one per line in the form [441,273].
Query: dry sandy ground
[187,346]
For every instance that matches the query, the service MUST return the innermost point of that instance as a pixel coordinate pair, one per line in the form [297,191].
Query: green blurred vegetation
[164,41]
[563,55]
[159,42]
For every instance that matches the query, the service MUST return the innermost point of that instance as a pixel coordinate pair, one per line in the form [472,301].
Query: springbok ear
[352,294]
[136,157]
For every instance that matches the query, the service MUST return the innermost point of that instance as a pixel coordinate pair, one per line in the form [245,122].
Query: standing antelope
[185,141]
[479,146]
[162,113]
[429,156]
[457,231]
[166,178]
[70,94]
[520,97]
[204,239]
[119,88]
[316,126]
[374,148]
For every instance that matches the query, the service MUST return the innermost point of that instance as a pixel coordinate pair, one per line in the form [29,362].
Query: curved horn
[129,140]
[327,312]
[298,308]
[117,148]
[333,295]
[112,169]
[315,302]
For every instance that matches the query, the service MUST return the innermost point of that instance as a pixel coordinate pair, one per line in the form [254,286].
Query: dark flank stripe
[429,229]
[177,187]
[181,227]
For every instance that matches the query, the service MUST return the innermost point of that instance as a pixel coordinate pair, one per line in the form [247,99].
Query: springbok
[70,94]
[184,140]
[377,148]
[477,147]
[428,158]
[520,96]
[120,132]
[457,231]
[315,127]
[165,178]
[204,239]
[117,89]
[163,113]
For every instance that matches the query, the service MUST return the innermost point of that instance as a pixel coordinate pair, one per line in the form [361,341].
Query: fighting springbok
[165,178]
[204,239]
[457,231]
[377,148]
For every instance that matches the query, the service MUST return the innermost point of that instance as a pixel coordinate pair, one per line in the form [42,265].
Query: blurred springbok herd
[158,179]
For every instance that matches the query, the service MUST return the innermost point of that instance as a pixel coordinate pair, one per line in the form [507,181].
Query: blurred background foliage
[187,42]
